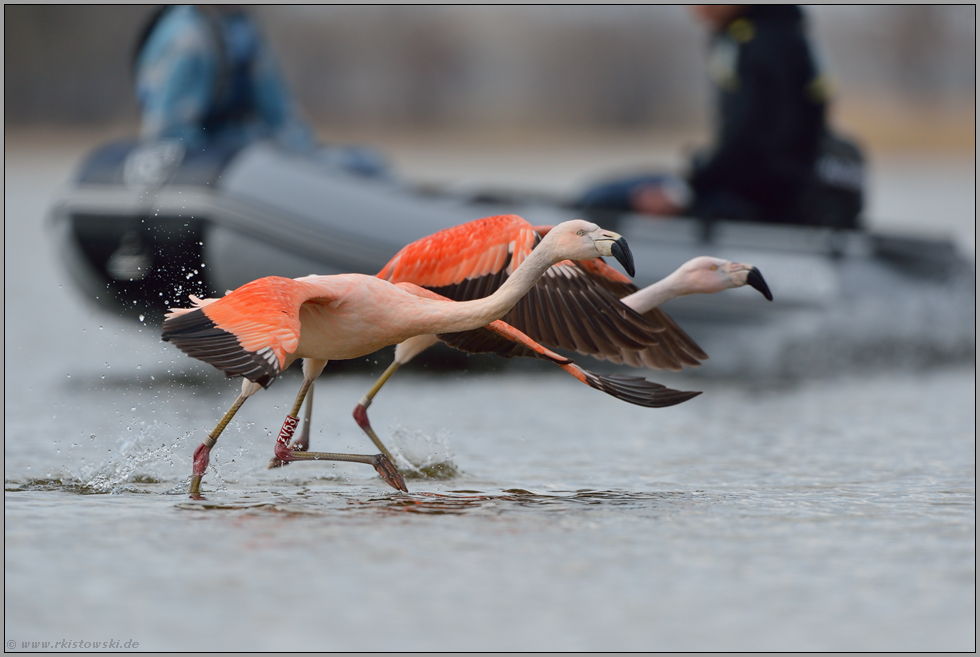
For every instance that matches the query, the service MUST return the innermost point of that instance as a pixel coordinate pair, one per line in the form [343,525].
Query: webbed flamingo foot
[380,462]
[389,472]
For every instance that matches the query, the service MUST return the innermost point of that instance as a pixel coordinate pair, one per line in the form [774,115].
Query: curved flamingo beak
[621,251]
[756,280]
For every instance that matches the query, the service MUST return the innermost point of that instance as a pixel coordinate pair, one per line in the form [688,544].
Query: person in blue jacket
[205,76]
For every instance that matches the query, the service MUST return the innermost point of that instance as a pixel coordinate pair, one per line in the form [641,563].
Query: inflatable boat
[142,226]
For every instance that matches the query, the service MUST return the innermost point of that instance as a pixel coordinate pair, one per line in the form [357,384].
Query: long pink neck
[652,296]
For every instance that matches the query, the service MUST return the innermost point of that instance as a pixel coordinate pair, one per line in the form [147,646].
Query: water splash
[141,460]
[420,455]
[142,463]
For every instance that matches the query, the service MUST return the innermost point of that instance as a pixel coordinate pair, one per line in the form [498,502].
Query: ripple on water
[456,502]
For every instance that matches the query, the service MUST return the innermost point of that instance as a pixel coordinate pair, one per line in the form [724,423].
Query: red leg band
[361,417]
[288,429]
[202,456]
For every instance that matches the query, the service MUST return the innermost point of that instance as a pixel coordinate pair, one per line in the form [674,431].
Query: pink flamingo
[574,306]
[260,329]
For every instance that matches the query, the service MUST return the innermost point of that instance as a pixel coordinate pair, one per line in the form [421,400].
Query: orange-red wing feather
[475,250]
[248,332]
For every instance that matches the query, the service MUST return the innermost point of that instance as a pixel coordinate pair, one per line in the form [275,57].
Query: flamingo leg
[286,453]
[381,463]
[202,455]
[412,347]
[360,411]
[404,353]
[311,370]
[302,443]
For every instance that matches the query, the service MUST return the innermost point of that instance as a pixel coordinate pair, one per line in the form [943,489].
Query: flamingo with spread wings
[576,305]
[260,329]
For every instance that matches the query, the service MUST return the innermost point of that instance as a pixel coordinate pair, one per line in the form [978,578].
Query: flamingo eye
[580,232]
[714,267]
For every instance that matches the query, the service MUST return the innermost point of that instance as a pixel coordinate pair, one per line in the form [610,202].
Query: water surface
[832,513]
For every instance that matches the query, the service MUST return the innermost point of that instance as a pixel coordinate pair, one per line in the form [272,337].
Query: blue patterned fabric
[205,75]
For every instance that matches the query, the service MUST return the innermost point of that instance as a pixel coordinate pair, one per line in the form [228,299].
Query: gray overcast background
[902,74]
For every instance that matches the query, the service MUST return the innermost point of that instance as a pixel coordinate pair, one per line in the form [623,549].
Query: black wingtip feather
[197,336]
[637,390]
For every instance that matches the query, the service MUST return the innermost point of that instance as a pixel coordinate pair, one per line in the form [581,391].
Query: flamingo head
[583,240]
[709,275]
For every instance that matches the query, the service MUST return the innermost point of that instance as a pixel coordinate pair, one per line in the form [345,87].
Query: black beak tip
[621,251]
[756,280]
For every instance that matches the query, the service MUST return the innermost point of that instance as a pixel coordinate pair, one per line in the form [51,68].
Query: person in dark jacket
[770,103]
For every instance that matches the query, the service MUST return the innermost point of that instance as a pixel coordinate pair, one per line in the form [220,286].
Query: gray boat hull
[139,245]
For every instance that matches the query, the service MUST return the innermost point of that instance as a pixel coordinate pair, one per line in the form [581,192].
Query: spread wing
[631,389]
[249,332]
[566,308]
[467,262]
[473,259]
[574,306]
[676,347]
